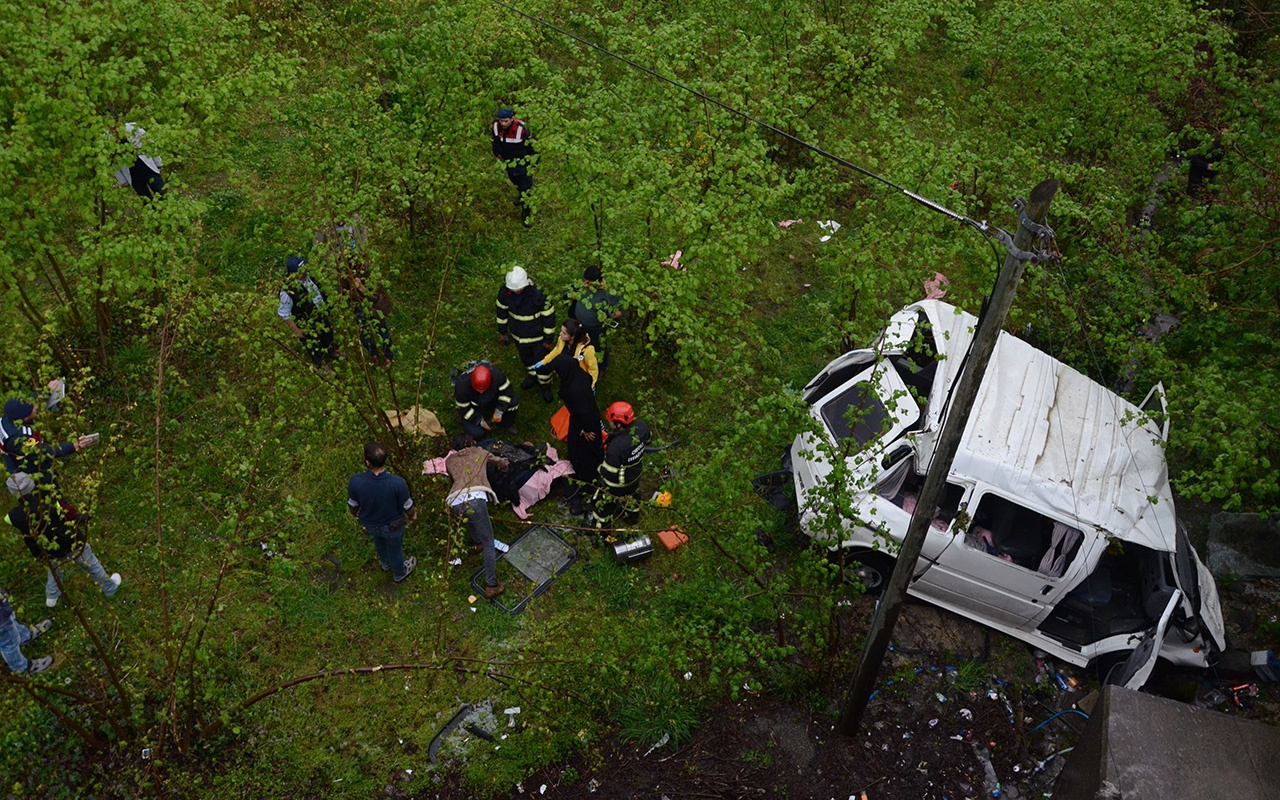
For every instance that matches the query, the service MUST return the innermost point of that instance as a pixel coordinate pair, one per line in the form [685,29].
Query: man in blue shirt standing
[382,503]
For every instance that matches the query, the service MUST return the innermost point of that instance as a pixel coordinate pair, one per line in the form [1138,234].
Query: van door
[1133,673]
[1010,565]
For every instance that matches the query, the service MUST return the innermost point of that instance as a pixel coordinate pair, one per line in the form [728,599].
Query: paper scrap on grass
[455,562]
[830,226]
[787,223]
[674,261]
[934,288]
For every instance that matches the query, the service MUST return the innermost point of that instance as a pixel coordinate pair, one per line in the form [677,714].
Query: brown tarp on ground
[416,420]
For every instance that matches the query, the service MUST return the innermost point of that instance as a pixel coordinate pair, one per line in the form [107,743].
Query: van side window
[1022,536]
[901,486]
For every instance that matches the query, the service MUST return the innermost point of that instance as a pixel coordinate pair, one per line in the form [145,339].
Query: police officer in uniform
[511,146]
[303,308]
[484,399]
[525,315]
[623,462]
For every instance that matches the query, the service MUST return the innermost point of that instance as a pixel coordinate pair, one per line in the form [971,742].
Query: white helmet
[517,279]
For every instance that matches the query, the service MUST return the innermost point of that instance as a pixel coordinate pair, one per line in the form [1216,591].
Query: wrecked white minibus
[1057,525]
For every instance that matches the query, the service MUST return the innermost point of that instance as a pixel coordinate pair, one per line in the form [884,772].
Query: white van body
[1057,526]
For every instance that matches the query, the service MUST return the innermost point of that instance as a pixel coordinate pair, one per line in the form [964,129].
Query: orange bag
[560,423]
[672,537]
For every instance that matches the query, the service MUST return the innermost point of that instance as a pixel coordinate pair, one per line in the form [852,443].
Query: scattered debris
[666,737]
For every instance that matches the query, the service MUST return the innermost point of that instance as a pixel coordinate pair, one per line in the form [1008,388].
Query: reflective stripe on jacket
[525,316]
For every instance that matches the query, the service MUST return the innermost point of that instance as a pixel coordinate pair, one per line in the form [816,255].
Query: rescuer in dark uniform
[484,399]
[525,315]
[622,465]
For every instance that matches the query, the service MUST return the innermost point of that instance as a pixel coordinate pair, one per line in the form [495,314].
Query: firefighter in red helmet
[620,471]
[484,399]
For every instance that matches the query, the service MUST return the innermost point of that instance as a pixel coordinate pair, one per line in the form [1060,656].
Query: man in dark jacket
[623,463]
[484,398]
[304,309]
[511,145]
[525,316]
[382,503]
[54,534]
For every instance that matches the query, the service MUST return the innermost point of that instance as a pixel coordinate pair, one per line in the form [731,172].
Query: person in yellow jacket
[575,336]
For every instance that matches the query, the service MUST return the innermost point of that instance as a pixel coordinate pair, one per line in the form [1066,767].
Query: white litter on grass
[830,226]
[408,772]
[688,676]
[942,698]
[501,547]
[666,737]
[543,790]
[966,713]
[474,609]
[511,716]
[455,562]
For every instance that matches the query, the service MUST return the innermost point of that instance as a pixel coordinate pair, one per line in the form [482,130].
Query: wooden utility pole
[990,322]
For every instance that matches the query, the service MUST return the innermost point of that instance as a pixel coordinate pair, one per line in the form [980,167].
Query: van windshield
[858,413]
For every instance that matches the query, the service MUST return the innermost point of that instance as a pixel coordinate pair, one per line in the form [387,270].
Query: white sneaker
[51,602]
[117,580]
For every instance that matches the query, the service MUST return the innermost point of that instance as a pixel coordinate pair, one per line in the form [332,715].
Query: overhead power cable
[982,227]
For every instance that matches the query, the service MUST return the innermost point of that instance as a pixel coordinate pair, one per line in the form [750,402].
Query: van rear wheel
[867,569]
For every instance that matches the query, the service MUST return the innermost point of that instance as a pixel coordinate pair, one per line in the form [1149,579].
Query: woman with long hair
[585,441]
[574,337]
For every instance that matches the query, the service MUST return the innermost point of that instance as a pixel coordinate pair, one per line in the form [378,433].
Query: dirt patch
[960,711]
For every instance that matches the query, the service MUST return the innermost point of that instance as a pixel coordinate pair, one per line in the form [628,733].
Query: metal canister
[635,550]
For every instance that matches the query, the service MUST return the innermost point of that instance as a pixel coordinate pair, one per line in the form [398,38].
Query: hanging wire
[981,227]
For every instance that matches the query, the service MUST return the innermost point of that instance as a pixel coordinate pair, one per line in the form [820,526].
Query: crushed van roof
[1042,430]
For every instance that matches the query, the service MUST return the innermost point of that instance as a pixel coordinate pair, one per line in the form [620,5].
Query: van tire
[868,569]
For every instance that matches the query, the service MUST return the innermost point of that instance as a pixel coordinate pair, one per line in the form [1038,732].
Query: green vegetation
[238,657]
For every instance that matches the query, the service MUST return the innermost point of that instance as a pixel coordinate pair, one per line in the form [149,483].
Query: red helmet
[622,412]
[481,378]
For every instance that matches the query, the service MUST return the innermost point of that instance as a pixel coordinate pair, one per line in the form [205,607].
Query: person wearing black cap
[24,448]
[595,308]
[304,310]
[511,145]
